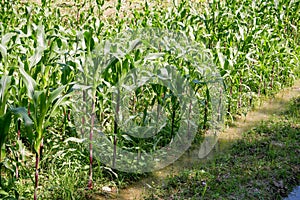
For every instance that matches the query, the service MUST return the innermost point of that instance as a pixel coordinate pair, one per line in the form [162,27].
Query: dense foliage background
[254,44]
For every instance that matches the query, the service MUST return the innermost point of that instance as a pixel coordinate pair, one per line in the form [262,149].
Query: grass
[264,164]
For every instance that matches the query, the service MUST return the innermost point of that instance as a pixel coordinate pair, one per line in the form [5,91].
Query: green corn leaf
[3,46]
[42,104]
[57,100]
[3,153]
[41,37]
[154,56]
[220,55]
[5,121]
[126,137]
[55,94]
[60,101]
[5,82]
[36,57]
[41,46]
[248,56]
[21,113]
[3,51]
[5,38]
[73,139]
[2,192]
[37,143]
[21,149]
[8,166]
[29,82]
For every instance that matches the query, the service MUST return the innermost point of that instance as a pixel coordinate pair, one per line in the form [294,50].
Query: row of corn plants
[43,49]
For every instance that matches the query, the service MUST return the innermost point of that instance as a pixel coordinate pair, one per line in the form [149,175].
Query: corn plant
[45,103]
[7,112]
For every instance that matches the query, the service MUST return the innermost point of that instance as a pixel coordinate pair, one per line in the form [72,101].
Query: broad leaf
[29,82]
[5,121]
[5,82]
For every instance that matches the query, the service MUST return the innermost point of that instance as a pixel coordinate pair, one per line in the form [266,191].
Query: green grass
[264,164]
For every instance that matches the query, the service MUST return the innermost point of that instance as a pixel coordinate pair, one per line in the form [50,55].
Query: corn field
[254,45]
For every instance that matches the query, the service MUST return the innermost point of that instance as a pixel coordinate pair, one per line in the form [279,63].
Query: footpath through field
[268,109]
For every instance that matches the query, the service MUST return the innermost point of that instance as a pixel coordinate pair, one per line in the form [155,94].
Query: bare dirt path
[264,112]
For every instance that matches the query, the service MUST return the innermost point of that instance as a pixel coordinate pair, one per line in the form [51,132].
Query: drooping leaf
[55,94]
[40,38]
[73,139]
[153,56]
[5,38]
[3,51]
[35,58]
[29,82]
[21,112]
[5,121]
[2,192]
[5,82]
[41,46]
